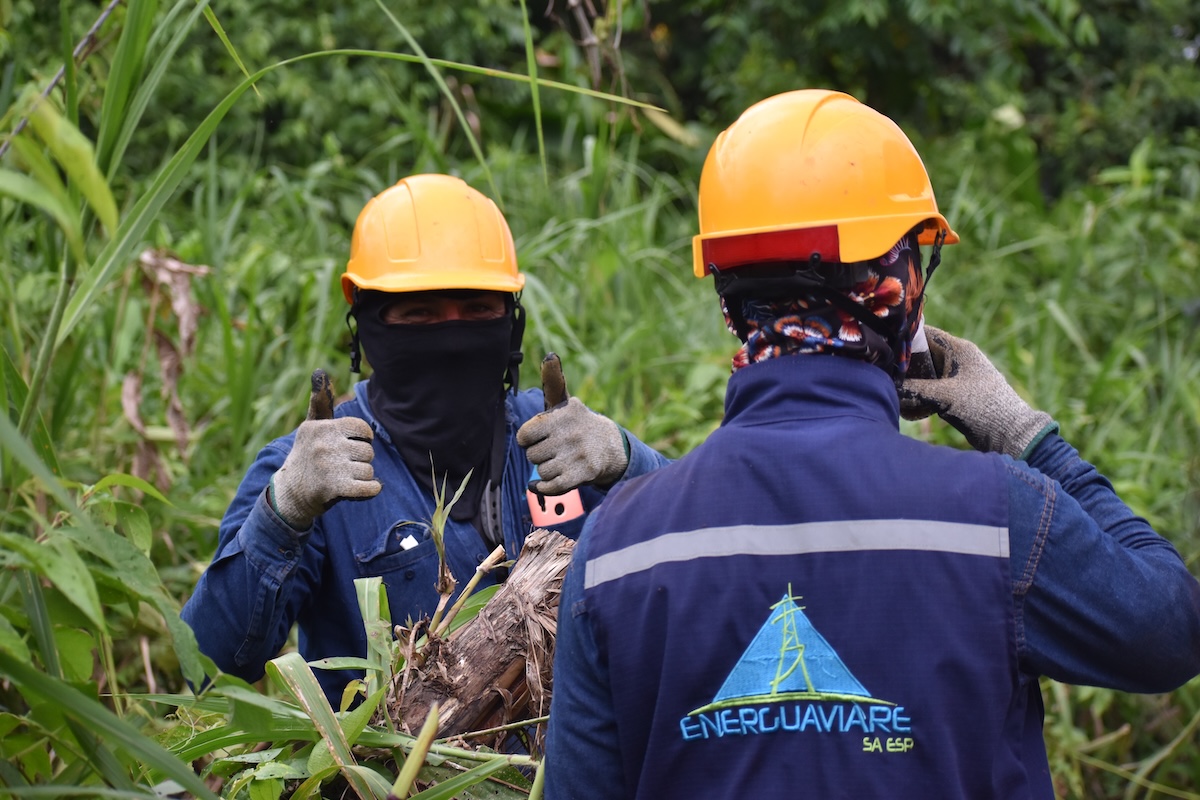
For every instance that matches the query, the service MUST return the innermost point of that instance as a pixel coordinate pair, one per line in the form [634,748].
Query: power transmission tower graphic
[789,643]
[788,659]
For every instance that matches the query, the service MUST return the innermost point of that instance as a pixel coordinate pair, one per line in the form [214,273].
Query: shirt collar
[808,386]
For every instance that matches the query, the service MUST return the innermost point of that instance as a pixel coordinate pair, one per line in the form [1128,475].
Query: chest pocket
[405,557]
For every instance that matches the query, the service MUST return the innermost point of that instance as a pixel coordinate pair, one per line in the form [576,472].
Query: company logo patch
[790,679]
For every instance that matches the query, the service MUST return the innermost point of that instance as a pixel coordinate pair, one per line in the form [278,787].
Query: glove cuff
[1048,426]
[614,465]
[273,501]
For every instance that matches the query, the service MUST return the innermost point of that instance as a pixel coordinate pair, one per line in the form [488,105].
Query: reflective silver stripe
[790,540]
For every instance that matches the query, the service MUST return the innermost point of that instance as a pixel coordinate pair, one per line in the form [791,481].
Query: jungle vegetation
[178,182]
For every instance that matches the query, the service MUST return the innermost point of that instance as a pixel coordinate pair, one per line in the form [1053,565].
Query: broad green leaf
[371,596]
[135,524]
[102,721]
[237,783]
[29,751]
[377,620]
[76,651]
[218,739]
[472,606]
[356,721]
[371,780]
[138,574]
[230,686]
[311,786]
[27,190]
[73,151]
[12,643]
[265,789]
[57,561]
[40,168]
[452,788]
[320,760]
[256,757]
[352,690]
[257,713]
[340,662]
[8,723]
[132,482]
[291,674]
[250,716]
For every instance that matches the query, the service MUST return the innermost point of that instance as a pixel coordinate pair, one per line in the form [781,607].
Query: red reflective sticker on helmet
[755,248]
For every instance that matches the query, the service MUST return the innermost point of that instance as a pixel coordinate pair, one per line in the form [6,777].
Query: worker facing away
[434,288]
[811,603]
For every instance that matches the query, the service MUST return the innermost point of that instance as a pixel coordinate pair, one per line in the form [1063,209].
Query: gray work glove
[330,461]
[972,395]
[570,444]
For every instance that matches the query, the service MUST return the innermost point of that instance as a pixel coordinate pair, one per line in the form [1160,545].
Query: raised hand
[330,461]
[570,444]
[972,395]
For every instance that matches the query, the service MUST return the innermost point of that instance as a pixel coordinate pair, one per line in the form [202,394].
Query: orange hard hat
[431,232]
[811,172]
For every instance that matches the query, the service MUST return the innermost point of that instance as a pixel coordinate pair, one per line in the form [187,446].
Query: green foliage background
[1061,138]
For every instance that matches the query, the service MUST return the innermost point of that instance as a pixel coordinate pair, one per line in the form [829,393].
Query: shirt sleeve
[244,604]
[642,458]
[583,759]
[1101,598]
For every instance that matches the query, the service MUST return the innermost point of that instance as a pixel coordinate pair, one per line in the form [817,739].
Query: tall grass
[112,496]
[1090,308]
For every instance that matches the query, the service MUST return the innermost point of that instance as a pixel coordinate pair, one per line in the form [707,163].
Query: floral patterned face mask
[873,321]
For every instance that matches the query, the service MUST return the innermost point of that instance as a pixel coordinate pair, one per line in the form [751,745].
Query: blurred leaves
[1062,139]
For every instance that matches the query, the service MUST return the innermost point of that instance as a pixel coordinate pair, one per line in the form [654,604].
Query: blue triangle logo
[788,659]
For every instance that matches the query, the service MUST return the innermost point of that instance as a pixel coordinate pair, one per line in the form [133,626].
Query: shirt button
[409,574]
[288,554]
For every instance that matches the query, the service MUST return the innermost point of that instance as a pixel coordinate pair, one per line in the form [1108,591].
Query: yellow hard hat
[431,232]
[811,172]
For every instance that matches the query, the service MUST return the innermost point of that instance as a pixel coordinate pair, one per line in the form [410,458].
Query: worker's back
[818,606]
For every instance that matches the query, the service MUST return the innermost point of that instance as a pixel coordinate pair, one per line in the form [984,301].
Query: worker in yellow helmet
[434,287]
[811,603]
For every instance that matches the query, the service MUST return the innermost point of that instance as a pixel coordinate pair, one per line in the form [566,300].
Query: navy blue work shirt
[813,604]
[266,576]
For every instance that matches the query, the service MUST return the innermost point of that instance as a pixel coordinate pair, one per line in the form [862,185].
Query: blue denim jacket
[1098,598]
[265,576]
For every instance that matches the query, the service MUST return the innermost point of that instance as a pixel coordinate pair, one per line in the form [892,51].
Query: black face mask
[438,390]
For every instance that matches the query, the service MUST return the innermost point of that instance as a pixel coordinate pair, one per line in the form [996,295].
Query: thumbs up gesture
[330,461]
[570,444]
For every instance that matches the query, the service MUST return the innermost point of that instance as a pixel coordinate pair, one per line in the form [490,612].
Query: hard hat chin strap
[355,348]
[935,258]
[512,378]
